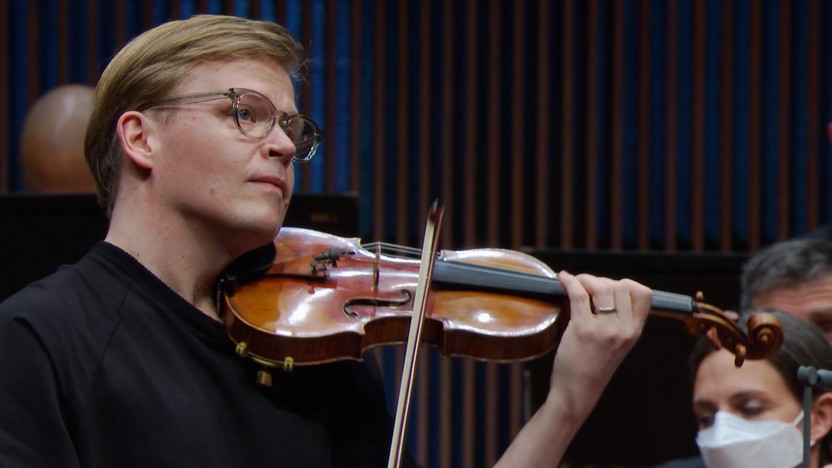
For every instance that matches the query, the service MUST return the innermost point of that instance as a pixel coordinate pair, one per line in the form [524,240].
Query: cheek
[290,177]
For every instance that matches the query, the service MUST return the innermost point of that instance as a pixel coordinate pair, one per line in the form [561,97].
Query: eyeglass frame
[234,94]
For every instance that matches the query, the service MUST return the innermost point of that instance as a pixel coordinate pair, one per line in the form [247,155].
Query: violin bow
[414,336]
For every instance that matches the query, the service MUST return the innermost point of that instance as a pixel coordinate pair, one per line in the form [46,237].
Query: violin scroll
[765,331]
[763,339]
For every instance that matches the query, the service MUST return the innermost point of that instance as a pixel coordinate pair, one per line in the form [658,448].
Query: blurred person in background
[52,141]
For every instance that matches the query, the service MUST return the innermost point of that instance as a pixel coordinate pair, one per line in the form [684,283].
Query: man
[122,360]
[794,276]
[52,141]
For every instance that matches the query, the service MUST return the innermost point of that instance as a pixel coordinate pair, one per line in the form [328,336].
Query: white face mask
[734,442]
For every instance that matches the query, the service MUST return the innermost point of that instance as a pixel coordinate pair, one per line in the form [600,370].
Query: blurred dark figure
[52,142]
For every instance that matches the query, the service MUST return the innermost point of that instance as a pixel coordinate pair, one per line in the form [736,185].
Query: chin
[257,229]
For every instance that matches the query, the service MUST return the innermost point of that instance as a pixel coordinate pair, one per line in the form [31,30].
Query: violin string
[394,250]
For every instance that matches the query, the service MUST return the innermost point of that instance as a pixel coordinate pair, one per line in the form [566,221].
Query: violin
[310,298]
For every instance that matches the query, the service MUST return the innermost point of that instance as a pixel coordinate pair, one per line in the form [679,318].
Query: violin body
[327,298]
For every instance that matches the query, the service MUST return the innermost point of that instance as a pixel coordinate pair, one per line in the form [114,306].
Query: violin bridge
[375,267]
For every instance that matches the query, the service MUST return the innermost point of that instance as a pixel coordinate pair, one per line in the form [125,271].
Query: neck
[187,260]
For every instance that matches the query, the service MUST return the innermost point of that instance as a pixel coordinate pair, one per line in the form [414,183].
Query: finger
[602,292]
[579,303]
[623,301]
[640,299]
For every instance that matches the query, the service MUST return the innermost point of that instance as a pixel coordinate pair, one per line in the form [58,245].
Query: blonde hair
[151,66]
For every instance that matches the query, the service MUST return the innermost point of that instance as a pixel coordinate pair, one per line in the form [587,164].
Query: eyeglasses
[255,116]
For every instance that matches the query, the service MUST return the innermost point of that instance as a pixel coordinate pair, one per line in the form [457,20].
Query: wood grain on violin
[325,298]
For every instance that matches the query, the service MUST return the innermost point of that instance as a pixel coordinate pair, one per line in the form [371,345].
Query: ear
[821,416]
[136,133]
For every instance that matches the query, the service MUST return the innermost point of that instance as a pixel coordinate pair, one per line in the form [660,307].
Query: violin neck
[456,275]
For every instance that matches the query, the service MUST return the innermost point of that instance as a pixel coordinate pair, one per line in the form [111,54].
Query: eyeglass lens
[255,116]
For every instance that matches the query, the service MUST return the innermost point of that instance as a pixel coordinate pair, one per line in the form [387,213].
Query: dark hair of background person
[785,263]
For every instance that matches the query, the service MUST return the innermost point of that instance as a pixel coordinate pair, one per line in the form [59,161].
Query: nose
[278,145]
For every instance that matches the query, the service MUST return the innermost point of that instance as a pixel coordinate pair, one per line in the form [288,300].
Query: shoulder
[65,294]
[79,302]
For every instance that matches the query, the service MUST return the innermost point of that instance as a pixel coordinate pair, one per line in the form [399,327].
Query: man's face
[213,177]
[810,301]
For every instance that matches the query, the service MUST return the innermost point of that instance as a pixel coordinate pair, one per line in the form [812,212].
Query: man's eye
[245,115]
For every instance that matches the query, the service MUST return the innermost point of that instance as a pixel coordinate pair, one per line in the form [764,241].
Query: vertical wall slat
[698,144]
[496,124]
[305,180]
[421,418]
[147,14]
[176,10]
[517,109]
[755,150]
[567,128]
[592,184]
[5,84]
[446,438]
[281,10]
[379,118]
[493,396]
[402,124]
[93,40]
[355,100]
[469,413]
[330,81]
[120,30]
[813,119]
[617,126]
[643,150]
[33,28]
[726,126]
[671,126]
[543,212]
[471,157]
[784,116]
[516,397]
[448,61]
[424,109]
[63,41]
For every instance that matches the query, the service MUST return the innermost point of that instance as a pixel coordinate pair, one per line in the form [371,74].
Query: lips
[275,181]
